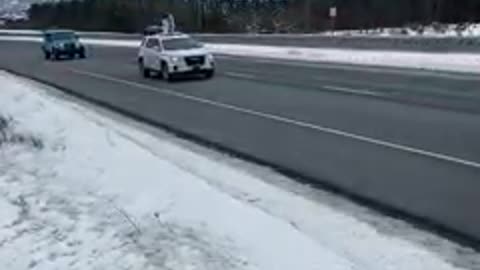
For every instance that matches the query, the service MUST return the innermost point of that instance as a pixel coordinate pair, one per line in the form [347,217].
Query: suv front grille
[195,60]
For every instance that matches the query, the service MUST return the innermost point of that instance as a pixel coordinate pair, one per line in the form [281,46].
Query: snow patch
[8,212]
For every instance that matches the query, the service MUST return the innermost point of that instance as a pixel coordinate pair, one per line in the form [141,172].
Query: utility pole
[308,15]
[199,10]
[141,14]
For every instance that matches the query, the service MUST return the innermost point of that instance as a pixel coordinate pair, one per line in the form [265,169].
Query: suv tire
[166,75]
[145,72]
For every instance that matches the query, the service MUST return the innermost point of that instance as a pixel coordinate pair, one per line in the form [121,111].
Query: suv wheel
[166,75]
[145,72]
[47,55]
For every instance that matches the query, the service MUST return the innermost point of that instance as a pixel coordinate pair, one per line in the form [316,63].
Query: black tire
[47,55]
[82,54]
[145,72]
[165,73]
[209,74]
[56,56]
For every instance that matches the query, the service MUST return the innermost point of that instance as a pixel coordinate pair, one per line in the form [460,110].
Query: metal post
[308,14]
[333,19]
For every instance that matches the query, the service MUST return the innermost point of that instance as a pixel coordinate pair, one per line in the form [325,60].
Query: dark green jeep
[58,43]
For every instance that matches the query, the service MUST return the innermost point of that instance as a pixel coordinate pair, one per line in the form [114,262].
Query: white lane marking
[239,75]
[363,92]
[365,83]
[356,67]
[348,90]
[269,116]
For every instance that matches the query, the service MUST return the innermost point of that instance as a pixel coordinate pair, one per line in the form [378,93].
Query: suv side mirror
[157,48]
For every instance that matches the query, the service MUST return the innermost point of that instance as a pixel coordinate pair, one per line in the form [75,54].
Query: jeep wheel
[56,56]
[209,74]
[82,54]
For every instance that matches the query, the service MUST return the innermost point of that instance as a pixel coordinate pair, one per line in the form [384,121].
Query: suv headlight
[174,59]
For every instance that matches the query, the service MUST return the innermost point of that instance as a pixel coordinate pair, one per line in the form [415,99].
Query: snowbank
[101,195]
[457,62]
[92,198]
[449,30]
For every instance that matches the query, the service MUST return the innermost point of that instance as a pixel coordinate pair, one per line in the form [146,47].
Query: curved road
[404,139]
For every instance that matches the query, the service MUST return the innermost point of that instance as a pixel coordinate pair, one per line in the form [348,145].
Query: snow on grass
[92,198]
[454,62]
[102,195]
[8,212]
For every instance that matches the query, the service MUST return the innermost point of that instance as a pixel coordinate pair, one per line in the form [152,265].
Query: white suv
[170,55]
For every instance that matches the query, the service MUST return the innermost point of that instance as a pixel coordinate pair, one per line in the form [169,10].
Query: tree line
[249,15]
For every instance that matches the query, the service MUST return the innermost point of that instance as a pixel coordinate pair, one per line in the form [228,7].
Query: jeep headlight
[210,58]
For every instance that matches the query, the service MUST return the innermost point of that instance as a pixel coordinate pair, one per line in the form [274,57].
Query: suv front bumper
[183,67]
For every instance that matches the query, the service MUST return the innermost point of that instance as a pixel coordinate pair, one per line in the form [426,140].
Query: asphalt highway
[405,139]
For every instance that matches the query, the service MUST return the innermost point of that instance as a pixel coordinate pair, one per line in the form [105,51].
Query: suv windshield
[180,44]
[61,36]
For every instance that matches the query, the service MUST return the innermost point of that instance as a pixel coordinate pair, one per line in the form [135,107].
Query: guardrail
[422,44]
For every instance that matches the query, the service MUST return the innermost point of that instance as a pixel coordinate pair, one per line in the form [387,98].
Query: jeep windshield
[180,44]
[58,36]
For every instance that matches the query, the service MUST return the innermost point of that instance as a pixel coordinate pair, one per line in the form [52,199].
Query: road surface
[404,139]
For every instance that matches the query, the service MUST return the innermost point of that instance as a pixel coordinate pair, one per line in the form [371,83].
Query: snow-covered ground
[455,62]
[449,30]
[82,190]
